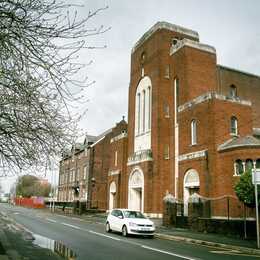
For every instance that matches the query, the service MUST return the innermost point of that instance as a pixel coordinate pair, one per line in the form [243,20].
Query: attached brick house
[193,126]
[109,156]
[91,166]
[74,172]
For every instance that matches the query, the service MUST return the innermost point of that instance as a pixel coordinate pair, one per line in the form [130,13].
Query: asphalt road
[88,240]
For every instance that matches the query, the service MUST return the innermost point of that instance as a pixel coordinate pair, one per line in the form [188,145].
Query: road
[88,240]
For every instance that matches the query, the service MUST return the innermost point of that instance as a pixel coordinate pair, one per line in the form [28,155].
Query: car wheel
[108,229]
[124,231]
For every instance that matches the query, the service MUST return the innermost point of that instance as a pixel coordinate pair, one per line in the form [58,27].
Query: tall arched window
[144,111]
[193,132]
[233,91]
[149,108]
[233,125]
[138,112]
[143,117]
[239,169]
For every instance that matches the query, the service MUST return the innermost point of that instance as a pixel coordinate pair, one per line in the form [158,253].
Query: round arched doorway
[112,195]
[136,190]
[191,184]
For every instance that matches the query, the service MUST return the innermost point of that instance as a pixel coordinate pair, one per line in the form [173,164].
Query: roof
[238,71]
[79,146]
[90,139]
[168,26]
[104,133]
[239,142]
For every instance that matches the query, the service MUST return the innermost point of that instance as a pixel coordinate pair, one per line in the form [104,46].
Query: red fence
[34,202]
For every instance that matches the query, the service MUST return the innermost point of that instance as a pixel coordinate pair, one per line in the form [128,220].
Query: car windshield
[133,214]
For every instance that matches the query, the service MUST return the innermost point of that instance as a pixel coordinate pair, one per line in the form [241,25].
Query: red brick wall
[248,88]
[103,162]
[198,74]
[196,70]
[101,158]
[121,181]
[213,128]
[157,49]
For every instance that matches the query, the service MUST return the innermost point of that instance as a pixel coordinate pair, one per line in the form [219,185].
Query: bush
[245,189]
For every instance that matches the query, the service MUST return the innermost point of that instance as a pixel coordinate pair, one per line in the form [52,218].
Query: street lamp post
[256,181]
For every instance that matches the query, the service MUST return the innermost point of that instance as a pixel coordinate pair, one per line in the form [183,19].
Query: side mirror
[120,216]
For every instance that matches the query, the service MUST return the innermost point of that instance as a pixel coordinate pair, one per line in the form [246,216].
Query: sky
[231,26]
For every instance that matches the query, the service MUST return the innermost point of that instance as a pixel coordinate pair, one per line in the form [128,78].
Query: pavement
[13,238]
[16,243]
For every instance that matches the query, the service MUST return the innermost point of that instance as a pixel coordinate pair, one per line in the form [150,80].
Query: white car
[129,222]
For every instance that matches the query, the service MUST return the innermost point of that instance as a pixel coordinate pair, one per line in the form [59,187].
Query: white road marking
[51,220]
[102,235]
[225,251]
[169,253]
[16,213]
[69,225]
[233,252]
[76,218]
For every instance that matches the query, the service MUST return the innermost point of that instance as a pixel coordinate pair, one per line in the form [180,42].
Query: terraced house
[193,127]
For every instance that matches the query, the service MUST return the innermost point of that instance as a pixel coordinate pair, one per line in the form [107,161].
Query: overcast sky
[231,26]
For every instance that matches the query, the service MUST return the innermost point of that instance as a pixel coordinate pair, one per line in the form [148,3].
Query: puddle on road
[55,246]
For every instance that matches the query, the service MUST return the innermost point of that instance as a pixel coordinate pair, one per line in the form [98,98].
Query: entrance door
[135,191]
[191,184]
[136,199]
[112,196]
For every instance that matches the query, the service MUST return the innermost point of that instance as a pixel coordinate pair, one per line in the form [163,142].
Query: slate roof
[237,142]
[90,139]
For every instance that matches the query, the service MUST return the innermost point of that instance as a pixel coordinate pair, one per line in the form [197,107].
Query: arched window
[144,111]
[149,108]
[138,112]
[233,125]
[143,117]
[233,91]
[257,164]
[239,167]
[249,165]
[193,132]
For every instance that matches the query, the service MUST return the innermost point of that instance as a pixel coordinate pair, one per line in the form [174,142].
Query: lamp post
[93,185]
[256,181]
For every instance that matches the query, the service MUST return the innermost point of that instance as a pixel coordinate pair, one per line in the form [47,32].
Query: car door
[113,219]
[120,220]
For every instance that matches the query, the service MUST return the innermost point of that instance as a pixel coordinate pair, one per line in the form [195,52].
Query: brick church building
[193,127]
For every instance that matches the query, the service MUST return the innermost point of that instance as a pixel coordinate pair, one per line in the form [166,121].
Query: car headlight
[132,224]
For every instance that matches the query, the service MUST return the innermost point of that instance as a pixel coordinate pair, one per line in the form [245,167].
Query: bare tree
[40,41]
